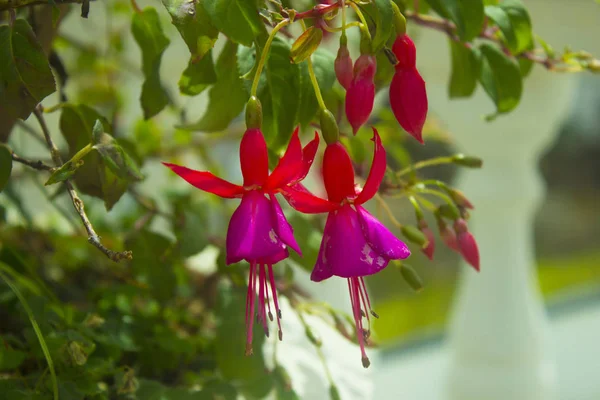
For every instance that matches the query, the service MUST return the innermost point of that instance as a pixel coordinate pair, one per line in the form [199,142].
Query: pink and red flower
[258,231]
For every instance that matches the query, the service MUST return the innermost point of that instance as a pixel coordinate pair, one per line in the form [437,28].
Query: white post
[499,345]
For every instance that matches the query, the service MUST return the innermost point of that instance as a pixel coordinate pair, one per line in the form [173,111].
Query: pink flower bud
[405,51]
[466,243]
[343,67]
[408,99]
[448,236]
[361,93]
[429,249]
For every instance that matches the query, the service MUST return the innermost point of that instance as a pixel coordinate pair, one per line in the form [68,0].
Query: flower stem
[265,54]
[313,78]
[364,27]
[423,164]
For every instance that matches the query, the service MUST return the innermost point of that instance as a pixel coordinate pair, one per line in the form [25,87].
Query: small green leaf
[465,70]
[237,19]
[97,132]
[25,76]
[501,78]
[384,16]
[306,44]
[198,76]
[66,171]
[5,165]
[149,35]
[117,159]
[512,18]
[11,359]
[227,97]
[194,26]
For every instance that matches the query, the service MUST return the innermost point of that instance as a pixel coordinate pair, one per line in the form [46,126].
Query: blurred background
[412,333]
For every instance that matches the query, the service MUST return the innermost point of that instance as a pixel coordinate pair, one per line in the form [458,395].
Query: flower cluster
[354,243]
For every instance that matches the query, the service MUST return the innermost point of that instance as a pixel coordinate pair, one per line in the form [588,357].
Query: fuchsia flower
[467,245]
[360,95]
[408,96]
[355,244]
[258,231]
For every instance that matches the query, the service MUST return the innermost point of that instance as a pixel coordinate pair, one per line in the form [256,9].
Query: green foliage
[5,165]
[148,34]
[237,19]
[512,18]
[465,70]
[25,76]
[468,15]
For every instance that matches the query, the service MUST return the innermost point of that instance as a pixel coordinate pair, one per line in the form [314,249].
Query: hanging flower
[355,244]
[360,96]
[258,231]
[408,95]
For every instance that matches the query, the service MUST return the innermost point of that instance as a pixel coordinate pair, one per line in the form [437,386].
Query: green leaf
[384,14]
[465,70]
[467,15]
[306,44]
[323,61]
[25,76]
[501,78]
[11,359]
[198,76]
[93,177]
[153,262]
[193,23]
[512,18]
[5,165]
[227,97]
[237,19]
[66,171]
[117,159]
[149,35]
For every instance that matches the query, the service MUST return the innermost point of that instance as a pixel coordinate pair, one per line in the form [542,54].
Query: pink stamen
[277,309]
[353,287]
[261,298]
[250,308]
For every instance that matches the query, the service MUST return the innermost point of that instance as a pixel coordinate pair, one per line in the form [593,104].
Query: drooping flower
[343,67]
[355,244]
[360,95]
[258,231]
[408,95]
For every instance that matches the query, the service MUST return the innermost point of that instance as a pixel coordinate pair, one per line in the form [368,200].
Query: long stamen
[268,300]
[274,291]
[250,308]
[364,287]
[367,333]
[355,299]
[261,297]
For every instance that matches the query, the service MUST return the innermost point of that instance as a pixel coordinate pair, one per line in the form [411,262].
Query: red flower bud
[361,93]
[343,67]
[448,236]
[405,51]
[408,99]
[466,243]
[429,249]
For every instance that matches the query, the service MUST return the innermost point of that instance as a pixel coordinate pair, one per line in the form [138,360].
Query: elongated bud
[306,44]
[361,93]
[334,394]
[447,234]
[449,211]
[467,244]
[414,235]
[467,161]
[459,198]
[408,100]
[411,277]
[253,113]
[399,20]
[329,127]
[429,249]
[405,51]
[343,66]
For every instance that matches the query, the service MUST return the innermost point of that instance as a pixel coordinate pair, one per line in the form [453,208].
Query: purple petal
[322,269]
[345,251]
[251,235]
[380,238]
[282,226]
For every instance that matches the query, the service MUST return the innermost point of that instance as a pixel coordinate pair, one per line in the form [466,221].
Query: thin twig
[14,4]
[39,165]
[93,237]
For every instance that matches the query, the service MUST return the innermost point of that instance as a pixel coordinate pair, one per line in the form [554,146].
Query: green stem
[364,27]
[423,164]
[313,78]
[265,54]
[341,28]
[34,324]
[81,153]
[344,21]
[441,195]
